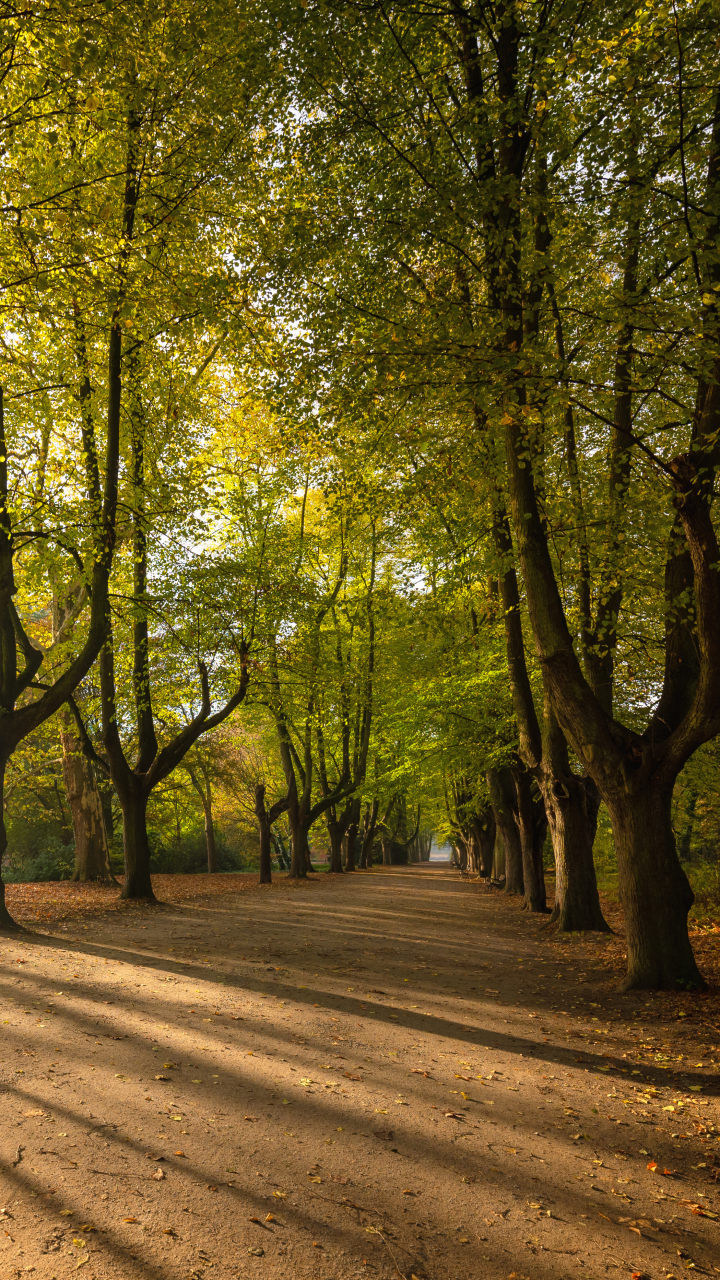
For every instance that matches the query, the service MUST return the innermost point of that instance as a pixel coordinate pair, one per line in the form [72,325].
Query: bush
[52,860]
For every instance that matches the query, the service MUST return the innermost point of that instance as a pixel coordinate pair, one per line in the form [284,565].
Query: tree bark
[336,862]
[92,854]
[501,788]
[369,825]
[572,805]
[655,892]
[265,835]
[6,920]
[299,852]
[352,833]
[137,883]
[210,837]
[532,826]
[484,827]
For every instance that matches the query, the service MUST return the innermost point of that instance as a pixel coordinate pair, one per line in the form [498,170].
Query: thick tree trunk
[572,804]
[532,826]
[92,855]
[386,845]
[654,891]
[137,849]
[501,788]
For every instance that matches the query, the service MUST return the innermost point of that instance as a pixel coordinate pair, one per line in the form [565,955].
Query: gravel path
[390,1074]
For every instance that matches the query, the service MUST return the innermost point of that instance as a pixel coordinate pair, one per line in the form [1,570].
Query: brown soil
[412,1079]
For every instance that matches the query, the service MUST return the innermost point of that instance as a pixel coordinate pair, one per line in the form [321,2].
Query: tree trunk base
[655,894]
[128,894]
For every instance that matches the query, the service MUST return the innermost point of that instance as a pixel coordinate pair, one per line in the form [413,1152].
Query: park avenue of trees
[360,416]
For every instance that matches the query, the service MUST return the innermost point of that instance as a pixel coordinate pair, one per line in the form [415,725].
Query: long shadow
[424,1024]
[419,1149]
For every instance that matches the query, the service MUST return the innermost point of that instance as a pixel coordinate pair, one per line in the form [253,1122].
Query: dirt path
[390,1074]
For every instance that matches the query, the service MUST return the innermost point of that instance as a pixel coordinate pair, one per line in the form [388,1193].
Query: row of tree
[361,370]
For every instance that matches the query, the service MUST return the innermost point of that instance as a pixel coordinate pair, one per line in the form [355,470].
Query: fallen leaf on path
[34,1113]
[418,1071]
[256,1251]
[65,1213]
[130,1219]
[453,1115]
[700,1210]
[270,1217]
[166,1078]
[159,1175]
[280,1195]
[180,1153]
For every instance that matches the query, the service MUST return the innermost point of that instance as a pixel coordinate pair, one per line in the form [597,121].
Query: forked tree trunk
[572,805]
[137,849]
[92,855]
[654,891]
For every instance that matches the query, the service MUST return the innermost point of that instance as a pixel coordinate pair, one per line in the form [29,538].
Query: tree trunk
[280,850]
[6,920]
[352,834]
[504,800]
[137,849]
[371,813]
[386,845]
[210,838]
[572,804]
[265,835]
[484,829]
[654,891]
[532,826]
[335,833]
[299,853]
[92,854]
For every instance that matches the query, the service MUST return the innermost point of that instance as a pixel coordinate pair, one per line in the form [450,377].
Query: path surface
[391,1074]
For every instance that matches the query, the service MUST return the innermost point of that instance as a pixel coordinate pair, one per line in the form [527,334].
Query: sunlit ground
[394,1074]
